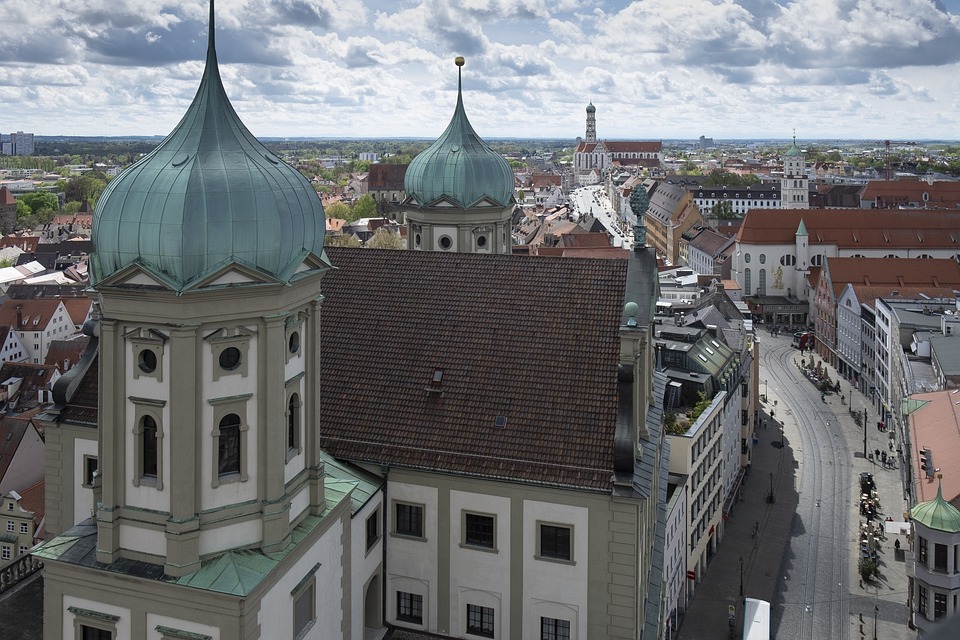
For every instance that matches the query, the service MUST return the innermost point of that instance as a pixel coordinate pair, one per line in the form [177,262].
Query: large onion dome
[591,108]
[459,167]
[209,196]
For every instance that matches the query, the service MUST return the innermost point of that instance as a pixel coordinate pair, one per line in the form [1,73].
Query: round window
[230,358]
[445,242]
[746,258]
[482,241]
[293,344]
[147,361]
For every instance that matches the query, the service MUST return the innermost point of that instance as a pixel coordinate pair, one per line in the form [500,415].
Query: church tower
[591,123]
[459,191]
[794,186]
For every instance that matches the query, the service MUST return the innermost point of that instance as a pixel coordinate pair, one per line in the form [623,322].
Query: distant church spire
[591,123]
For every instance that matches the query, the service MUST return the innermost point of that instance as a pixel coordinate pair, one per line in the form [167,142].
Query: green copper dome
[794,150]
[210,195]
[459,167]
[591,108]
[937,514]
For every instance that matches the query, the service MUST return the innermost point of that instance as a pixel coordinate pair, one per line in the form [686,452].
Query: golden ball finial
[459,61]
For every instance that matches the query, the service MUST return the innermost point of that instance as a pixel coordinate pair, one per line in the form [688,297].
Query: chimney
[19,316]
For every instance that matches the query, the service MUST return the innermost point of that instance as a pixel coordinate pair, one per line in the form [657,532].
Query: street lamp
[741,576]
[876,610]
[864,431]
[765,390]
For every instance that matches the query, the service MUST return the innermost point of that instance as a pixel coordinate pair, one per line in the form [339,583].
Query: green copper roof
[802,229]
[591,108]
[211,194]
[937,514]
[794,150]
[459,167]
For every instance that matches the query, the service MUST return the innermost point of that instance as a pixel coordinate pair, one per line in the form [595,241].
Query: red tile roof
[936,425]
[31,499]
[941,193]
[533,340]
[854,228]
[41,310]
[6,196]
[632,146]
[894,274]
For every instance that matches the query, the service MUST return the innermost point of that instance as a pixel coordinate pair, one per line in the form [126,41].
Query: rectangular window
[373,529]
[922,601]
[555,542]
[922,550]
[553,629]
[480,620]
[89,470]
[478,530]
[304,612]
[939,605]
[228,447]
[6,552]
[11,526]
[409,520]
[940,557]
[409,607]
[92,633]
[24,527]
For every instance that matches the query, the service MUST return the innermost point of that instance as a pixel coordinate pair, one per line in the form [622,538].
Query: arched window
[148,444]
[228,451]
[293,423]
[762,284]
[746,282]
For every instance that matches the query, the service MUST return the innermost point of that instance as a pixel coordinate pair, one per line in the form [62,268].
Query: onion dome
[794,150]
[459,168]
[591,108]
[210,195]
[937,514]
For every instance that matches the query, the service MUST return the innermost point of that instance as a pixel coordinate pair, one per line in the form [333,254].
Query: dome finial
[211,45]
[459,61]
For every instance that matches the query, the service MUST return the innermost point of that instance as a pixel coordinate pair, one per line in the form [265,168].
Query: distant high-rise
[21,144]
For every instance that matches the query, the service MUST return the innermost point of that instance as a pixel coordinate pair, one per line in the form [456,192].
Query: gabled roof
[12,429]
[942,193]
[35,315]
[854,228]
[938,274]
[478,323]
[7,197]
[68,350]
[632,146]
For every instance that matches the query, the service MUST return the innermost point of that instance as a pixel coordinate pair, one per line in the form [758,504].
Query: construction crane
[886,144]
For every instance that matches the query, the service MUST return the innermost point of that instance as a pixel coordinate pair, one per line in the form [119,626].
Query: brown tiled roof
[77,308]
[936,425]
[11,433]
[941,193]
[711,242]
[41,310]
[69,349]
[869,295]
[82,407]
[588,252]
[31,499]
[386,177]
[585,147]
[34,378]
[26,243]
[531,339]
[894,272]
[854,228]
[6,196]
[632,146]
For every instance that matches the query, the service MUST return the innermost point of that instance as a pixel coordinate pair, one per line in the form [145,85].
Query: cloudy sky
[872,69]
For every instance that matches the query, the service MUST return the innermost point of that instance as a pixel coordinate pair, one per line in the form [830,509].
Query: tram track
[812,595]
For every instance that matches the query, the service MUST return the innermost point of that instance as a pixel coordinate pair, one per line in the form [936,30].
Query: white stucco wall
[412,565]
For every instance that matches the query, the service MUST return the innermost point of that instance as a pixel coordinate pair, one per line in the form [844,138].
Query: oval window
[147,361]
[445,242]
[293,344]
[230,358]
[482,241]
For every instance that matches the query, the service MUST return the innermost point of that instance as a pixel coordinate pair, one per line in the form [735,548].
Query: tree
[723,210]
[23,209]
[342,240]
[84,187]
[365,207]
[41,199]
[337,209]
[383,239]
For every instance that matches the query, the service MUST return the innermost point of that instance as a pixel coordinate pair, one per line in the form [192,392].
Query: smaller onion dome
[937,514]
[591,108]
[794,150]
[459,167]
